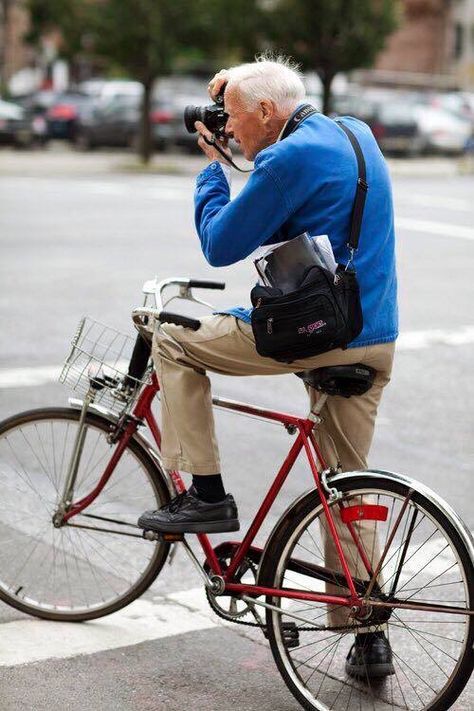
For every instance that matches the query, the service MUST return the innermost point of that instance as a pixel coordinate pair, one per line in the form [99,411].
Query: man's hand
[210,151]
[217,82]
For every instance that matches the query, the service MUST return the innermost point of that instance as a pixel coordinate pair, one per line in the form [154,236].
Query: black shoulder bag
[324,312]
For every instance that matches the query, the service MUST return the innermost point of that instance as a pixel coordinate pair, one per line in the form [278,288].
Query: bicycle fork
[68,491]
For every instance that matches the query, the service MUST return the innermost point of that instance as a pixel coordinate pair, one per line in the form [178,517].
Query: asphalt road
[79,236]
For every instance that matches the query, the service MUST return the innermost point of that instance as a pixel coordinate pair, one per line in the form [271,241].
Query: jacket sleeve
[230,230]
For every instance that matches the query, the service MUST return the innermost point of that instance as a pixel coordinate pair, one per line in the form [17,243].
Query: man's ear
[267,110]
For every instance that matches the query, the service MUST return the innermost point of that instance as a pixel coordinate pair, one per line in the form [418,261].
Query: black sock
[209,487]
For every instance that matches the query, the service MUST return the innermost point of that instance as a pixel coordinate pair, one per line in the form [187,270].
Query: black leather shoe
[370,657]
[186,513]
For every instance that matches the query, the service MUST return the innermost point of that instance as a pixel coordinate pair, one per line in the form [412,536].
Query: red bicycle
[75,480]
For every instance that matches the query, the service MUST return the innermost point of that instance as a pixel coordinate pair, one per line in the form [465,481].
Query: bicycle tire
[408,688]
[69,573]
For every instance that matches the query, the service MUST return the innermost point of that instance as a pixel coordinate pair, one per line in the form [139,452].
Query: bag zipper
[270,324]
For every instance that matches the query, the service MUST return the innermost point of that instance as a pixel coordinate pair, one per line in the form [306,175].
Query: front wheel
[98,562]
[427,566]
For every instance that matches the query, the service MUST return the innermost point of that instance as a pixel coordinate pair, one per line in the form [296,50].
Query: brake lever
[186,293]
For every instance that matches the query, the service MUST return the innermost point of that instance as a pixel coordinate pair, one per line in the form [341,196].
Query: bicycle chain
[231,618]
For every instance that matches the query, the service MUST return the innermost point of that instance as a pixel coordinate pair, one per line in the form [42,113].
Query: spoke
[422,635]
[395,655]
[431,634]
[408,629]
[423,587]
[28,481]
[438,585]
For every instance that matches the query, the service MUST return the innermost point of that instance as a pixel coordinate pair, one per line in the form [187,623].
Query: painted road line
[432,227]
[440,202]
[27,377]
[416,340]
[31,640]
[407,341]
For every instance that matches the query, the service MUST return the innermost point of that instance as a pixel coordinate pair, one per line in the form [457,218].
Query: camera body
[213,116]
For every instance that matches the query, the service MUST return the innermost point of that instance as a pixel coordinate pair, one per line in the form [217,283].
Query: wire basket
[99,359]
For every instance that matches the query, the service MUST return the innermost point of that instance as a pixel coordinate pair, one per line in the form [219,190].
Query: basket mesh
[99,352]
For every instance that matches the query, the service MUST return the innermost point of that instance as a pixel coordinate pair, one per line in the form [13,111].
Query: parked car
[114,122]
[442,131]
[407,122]
[15,125]
[171,96]
[108,122]
[63,114]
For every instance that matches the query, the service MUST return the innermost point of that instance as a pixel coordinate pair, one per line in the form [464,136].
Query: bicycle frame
[304,440]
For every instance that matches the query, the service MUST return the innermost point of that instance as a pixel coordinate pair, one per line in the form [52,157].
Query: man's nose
[228,129]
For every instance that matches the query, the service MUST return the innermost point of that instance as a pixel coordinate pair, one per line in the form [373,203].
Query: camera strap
[296,118]
[213,142]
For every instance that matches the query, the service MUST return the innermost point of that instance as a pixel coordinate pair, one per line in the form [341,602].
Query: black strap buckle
[363,184]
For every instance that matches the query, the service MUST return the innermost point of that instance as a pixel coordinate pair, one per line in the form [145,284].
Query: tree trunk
[326,80]
[145,141]
[5,36]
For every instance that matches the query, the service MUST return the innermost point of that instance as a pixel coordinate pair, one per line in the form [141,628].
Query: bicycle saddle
[342,380]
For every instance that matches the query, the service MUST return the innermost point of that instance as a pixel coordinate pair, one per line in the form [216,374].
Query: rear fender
[376,474]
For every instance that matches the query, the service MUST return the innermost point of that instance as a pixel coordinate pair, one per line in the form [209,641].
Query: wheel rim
[428,648]
[70,570]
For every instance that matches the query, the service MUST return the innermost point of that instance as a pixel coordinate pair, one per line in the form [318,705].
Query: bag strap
[361,191]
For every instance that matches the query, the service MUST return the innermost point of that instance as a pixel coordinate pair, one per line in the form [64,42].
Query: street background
[80,234]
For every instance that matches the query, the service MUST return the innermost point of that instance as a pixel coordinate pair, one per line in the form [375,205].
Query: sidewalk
[60,159]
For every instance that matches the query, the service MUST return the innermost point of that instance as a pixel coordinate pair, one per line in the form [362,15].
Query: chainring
[229,607]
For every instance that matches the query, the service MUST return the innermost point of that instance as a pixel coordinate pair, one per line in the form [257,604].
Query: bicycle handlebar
[202,284]
[144,317]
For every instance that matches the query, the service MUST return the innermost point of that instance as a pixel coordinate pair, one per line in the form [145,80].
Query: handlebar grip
[200,284]
[179,320]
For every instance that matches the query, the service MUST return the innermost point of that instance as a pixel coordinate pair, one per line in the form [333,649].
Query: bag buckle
[363,184]
[351,257]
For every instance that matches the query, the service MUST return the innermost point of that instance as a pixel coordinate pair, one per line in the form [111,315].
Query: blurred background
[117,73]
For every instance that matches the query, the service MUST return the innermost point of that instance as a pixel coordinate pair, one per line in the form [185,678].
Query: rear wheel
[427,563]
[98,562]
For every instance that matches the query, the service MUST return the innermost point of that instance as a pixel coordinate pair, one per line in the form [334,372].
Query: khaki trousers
[225,345]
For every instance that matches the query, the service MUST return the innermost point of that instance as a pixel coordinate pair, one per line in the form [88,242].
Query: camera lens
[191,115]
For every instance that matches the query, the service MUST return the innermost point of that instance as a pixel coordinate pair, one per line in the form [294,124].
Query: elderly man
[302,182]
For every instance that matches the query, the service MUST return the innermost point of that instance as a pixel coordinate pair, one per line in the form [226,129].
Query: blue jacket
[306,183]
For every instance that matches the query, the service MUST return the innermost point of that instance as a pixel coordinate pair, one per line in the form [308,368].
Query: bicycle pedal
[165,537]
[291,634]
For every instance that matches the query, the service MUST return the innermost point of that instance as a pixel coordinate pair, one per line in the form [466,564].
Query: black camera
[213,116]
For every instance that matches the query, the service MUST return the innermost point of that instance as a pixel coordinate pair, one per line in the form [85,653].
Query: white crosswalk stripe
[407,341]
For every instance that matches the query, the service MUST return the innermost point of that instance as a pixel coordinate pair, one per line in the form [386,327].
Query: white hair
[274,78]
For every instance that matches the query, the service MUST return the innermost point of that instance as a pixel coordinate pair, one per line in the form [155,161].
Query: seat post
[317,407]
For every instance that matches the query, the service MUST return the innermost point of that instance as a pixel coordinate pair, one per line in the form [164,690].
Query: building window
[458,40]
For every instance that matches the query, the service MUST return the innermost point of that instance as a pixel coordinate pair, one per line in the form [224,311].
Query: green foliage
[71,17]
[331,36]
